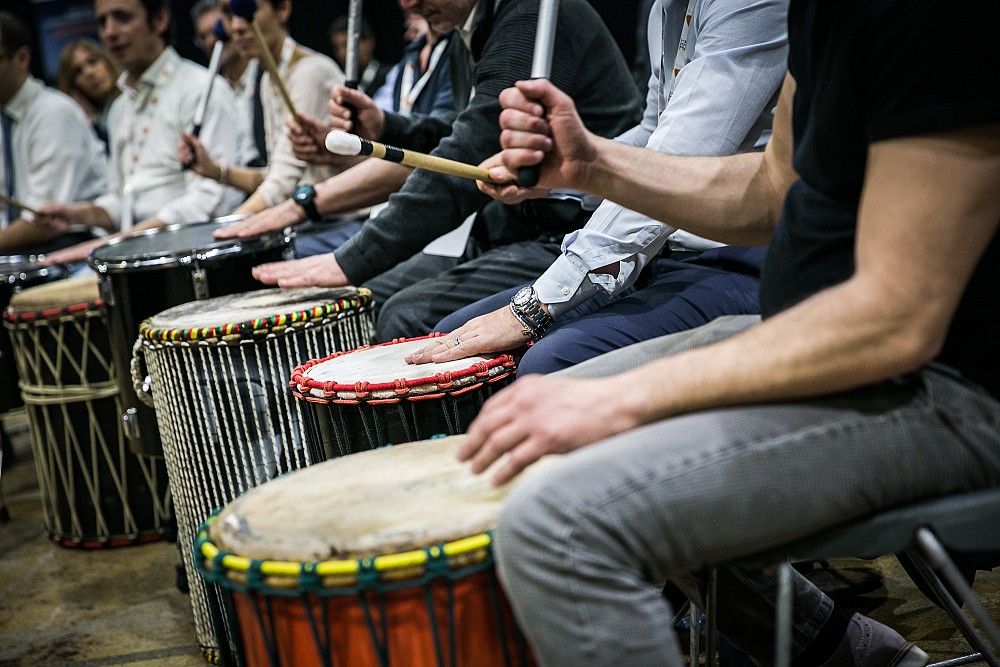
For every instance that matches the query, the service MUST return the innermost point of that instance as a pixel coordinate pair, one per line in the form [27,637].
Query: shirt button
[565,291]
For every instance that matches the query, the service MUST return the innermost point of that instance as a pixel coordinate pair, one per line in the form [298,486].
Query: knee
[525,530]
[401,316]
[548,355]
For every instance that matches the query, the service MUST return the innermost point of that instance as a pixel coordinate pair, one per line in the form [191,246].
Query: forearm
[244,179]
[729,199]
[367,184]
[254,204]
[22,233]
[838,340]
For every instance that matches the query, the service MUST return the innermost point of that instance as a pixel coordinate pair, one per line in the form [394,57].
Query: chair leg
[783,620]
[693,648]
[711,594]
[934,564]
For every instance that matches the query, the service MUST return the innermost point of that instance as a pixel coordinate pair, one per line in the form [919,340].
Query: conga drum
[147,273]
[219,373]
[17,272]
[370,397]
[95,492]
[378,558]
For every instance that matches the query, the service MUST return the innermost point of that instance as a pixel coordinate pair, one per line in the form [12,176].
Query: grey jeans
[583,545]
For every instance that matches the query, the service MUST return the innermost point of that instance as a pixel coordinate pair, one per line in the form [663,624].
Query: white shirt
[722,103]
[243,90]
[57,156]
[144,125]
[308,80]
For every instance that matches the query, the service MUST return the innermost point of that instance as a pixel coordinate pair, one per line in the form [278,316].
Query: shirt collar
[468,29]
[17,107]
[161,69]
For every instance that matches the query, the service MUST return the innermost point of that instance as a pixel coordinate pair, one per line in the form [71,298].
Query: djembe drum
[228,422]
[144,274]
[378,558]
[18,272]
[371,397]
[95,492]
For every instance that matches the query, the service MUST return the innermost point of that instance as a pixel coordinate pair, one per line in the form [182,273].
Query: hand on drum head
[540,415]
[504,186]
[494,332]
[74,253]
[273,219]
[540,125]
[316,271]
[371,119]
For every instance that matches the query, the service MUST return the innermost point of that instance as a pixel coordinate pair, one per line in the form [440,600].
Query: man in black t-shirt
[872,382]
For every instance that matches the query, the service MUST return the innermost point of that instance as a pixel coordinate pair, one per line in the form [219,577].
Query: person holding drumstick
[47,150]
[509,243]
[420,84]
[717,67]
[873,380]
[148,187]
[307,76]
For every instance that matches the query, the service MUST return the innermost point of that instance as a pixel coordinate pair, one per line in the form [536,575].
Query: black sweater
[586,63]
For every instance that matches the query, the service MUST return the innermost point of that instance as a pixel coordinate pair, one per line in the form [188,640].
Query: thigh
[422,305]
[481,307]
[406,274]
[680,297]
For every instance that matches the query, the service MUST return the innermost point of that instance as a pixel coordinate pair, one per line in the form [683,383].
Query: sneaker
[868,643]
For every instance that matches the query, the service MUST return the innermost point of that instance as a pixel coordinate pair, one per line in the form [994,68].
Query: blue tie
[13,213]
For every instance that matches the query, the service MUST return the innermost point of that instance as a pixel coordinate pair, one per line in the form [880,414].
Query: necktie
[13,213]
[259,139]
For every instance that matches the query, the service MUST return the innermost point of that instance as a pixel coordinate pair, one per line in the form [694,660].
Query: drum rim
[306,573]
[302,384]
[70,310]
[234,331]
[21,262]
[185,257]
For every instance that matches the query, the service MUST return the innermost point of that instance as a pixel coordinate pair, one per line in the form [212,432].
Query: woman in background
[88,75]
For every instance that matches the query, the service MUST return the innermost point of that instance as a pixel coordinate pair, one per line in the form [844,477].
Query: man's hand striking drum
[315,271]
[498,331]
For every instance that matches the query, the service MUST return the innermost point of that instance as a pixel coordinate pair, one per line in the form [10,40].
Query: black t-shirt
[867,71]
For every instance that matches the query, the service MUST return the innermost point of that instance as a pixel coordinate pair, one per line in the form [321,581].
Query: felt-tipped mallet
[541,65]
[245,9]
[343,143]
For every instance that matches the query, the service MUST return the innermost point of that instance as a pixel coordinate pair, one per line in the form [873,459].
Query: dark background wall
[310,21]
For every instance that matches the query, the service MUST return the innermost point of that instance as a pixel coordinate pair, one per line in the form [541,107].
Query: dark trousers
[685,290]
[417,293]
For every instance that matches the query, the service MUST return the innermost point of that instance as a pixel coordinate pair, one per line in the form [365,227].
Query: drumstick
[17,203]
[353,77]
[221,37]
[245,9]
[213,69]
[343,143]
[541,65]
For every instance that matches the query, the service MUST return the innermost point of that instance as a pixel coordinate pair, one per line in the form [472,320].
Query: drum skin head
[58,294]
[386,500]
[248,306]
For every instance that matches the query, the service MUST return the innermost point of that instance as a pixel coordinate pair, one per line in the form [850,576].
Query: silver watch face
[524,296]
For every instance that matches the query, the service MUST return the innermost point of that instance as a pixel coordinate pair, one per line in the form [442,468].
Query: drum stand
[6,457]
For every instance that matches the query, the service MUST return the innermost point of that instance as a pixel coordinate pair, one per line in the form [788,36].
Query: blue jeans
[584,545]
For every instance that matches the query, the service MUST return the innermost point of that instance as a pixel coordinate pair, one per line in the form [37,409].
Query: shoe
[868,643]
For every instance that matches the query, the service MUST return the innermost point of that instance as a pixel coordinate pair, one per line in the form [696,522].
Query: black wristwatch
[305,196]
[528,310]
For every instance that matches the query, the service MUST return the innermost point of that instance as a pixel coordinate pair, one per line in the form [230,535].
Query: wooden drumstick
[343,143]
[541,65]
[17,203]
[245,9]
[351,67]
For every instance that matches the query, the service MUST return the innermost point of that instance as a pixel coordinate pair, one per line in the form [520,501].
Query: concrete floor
[120,606]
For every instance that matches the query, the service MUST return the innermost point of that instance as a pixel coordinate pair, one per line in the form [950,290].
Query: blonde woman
[88,75]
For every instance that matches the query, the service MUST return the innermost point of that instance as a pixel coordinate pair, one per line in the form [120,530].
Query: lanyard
[409,90]
[679,60]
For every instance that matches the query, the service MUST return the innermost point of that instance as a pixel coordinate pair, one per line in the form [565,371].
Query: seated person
[307,76]
[48,149]
[873,380]
[510,243]
[691,109]
[420,84]
[147,186]
[87,74]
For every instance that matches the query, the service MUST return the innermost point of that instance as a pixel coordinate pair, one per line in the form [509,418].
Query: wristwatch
[305,196]
[529,312]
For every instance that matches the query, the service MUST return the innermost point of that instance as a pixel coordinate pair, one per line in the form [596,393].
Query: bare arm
[733,199]
[912,265]
[21,233]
